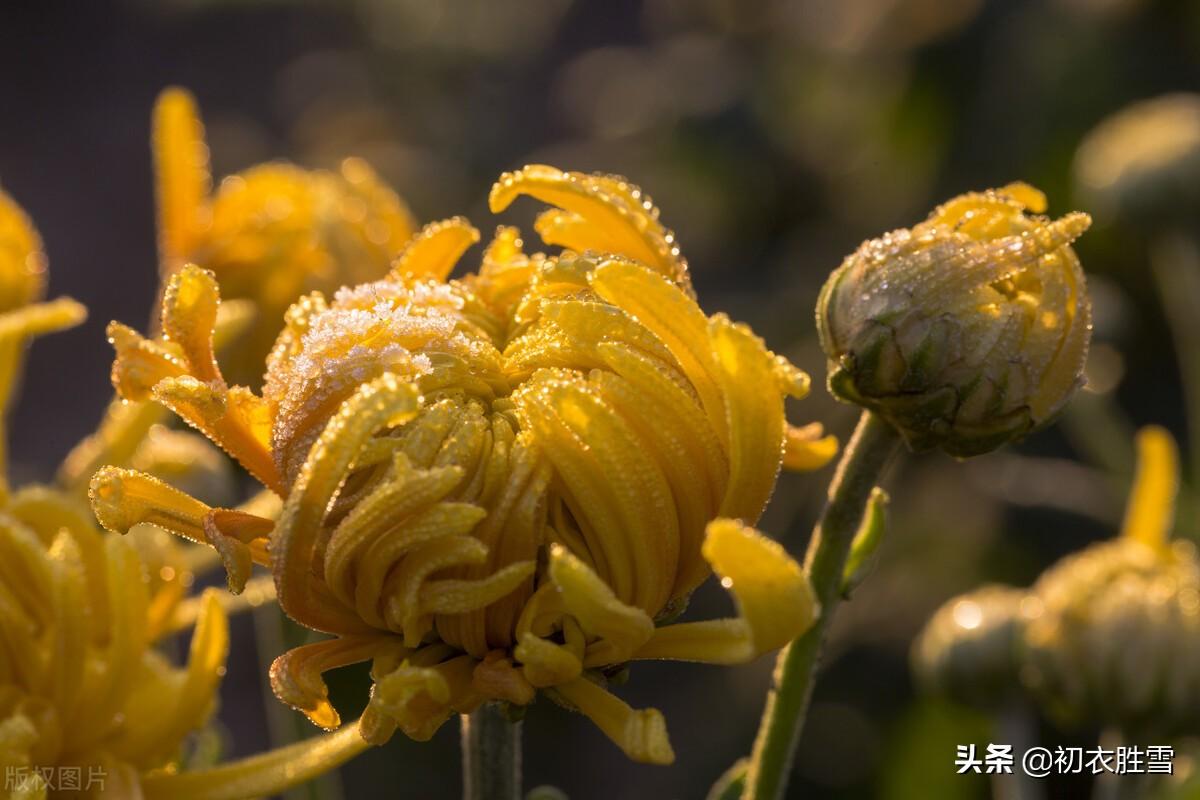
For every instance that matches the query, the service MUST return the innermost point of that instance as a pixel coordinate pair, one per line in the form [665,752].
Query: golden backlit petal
[641,734]
[435,249]
[235,419]
[182,178]
[621,629]
[619,210]
[189,317]
[296,676]
[675,319]
[383,402]
[141,363]
[772,592]
[755,418]
[805,449]
[122,498]
[774,598]
[571,231]
[267,774]
[1150,513]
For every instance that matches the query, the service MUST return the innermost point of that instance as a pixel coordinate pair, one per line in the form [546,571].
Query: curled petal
[189,317]
[385,401]
[774,598]
[296,675]
[141,363]
[805,448]
[1151,509]
[433,252]
[545,663]
[419,699]
[122,498]
[641,734]
[236,419]
[621,629]
[620,218]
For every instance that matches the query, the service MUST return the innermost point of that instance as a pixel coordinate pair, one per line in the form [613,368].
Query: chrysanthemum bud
[1116,636]
[1113,634]
[967,331]
[968,649]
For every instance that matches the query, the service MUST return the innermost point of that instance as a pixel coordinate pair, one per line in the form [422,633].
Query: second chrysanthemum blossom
[500,484]
[966,331]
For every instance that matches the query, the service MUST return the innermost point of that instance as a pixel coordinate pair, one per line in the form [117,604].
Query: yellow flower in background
[270,233]
[22,262]
[88,705]
[1113,632]
[967,331]
[500,484]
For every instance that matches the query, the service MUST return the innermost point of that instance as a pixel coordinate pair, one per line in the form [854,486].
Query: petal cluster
[499,484]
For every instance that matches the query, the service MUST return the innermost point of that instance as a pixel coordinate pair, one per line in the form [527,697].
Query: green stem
[491,755]
[1016,726]
[862,463]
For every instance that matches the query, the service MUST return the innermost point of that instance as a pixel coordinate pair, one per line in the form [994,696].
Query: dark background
[775,136]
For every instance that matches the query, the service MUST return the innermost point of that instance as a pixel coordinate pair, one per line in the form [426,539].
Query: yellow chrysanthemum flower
[497,484]
[88,706]
[966,331]
[270,233]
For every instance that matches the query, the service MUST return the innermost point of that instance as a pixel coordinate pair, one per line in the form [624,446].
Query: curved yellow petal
[1151,509]
[612,213]
[641,734]
[385,401]
[189,317]
[141,363]
[296,676]
[774,598]
[620,628]
[122,498]
[435,249]
[805,449]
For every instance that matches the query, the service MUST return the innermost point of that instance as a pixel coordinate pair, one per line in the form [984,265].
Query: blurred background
[775,136]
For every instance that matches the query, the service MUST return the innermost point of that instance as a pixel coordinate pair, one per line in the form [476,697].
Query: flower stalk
[863,461]
[491,755]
